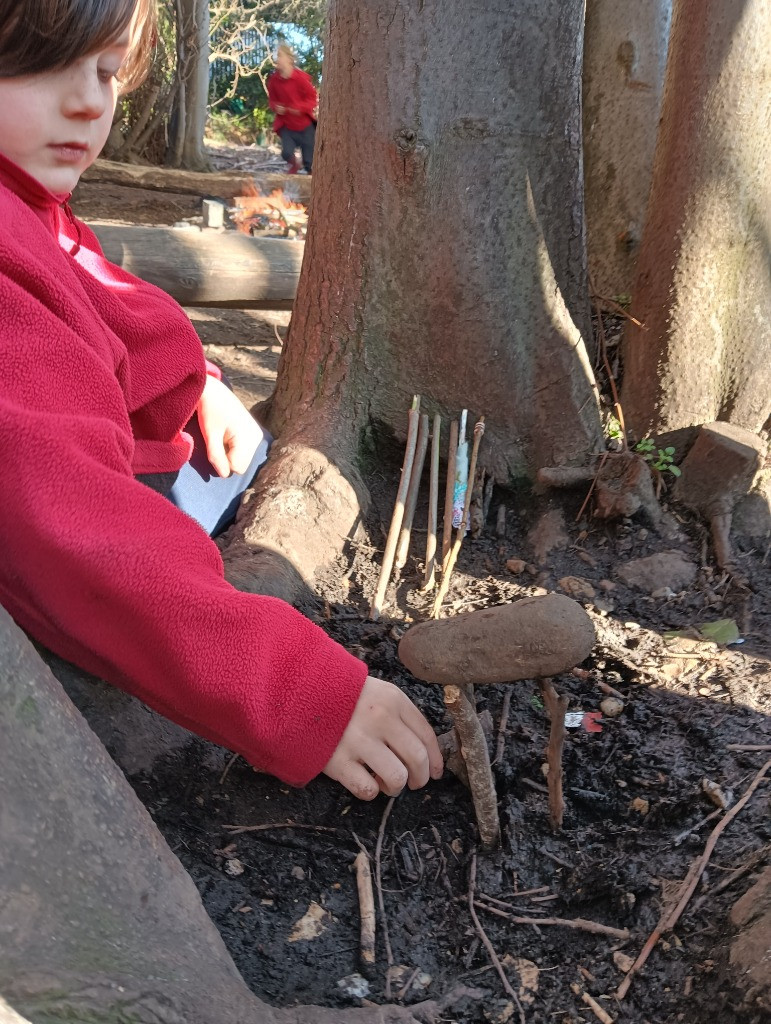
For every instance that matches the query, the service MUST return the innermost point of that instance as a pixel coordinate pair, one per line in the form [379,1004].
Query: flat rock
[529,639]
[549,534]
[750,955]
[719,469]
[667,569]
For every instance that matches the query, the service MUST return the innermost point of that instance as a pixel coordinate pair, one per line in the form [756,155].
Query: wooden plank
[208,268]
[220,184]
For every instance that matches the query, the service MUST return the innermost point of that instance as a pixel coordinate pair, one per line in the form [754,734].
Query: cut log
[208,268]
[220,185]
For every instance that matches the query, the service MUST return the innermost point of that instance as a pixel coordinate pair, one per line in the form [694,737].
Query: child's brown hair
[50,34]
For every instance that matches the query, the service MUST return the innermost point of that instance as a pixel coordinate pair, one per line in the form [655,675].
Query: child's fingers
[216,454]
[390,770]
[412,752]
[240,452]
[415,721]
[356,779]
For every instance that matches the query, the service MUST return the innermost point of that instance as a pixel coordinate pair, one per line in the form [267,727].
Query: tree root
[556,706]
[305,507]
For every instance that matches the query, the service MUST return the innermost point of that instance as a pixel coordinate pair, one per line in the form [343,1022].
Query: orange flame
[275,211]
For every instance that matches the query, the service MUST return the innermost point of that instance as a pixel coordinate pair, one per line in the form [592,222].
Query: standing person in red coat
[293,98]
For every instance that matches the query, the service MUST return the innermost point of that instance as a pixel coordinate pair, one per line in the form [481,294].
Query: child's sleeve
[110,575]
[308,95]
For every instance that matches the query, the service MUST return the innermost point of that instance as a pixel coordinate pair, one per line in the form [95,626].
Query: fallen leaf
[310,925]
[722,631]
[640,805]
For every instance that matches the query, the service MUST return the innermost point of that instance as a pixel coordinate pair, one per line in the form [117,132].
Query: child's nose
[85,97]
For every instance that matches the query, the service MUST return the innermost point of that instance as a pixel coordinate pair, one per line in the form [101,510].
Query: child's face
[54,124]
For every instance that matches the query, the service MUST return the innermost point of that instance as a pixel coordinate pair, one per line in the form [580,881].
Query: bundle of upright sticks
[457,504]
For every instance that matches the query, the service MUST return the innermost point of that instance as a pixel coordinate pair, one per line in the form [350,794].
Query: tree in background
[165,120]
[704,285]
[445,256]
[624,62]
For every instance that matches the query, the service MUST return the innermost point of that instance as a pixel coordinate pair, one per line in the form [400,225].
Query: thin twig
[452,557]
[379,885]
[494,960]
[682,836]
[611,379]
[433,505]
[228,766]
[366,908]
[460,702]
[748,746]
[398,513]
[735,875]
[670,918]
[576,923]
[235,830]
[616,308]
[403,545]
[556,706]
[501,742]
[594,1006]
[450,491]
[593,484]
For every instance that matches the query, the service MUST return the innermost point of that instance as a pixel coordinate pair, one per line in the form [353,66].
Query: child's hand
[231,434]
[387,745]
[279,109]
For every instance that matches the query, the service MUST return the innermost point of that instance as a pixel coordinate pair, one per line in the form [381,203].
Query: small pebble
[298,873]
[607,585]
[612,707]
[622,961]
[663,593]
[234,867]
[516,565]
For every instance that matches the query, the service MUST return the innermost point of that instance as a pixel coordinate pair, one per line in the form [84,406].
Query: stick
[593,1005]
[486,942]
[429,576]
[669,919]
[452,557]
[398,514]
[682,836]
[748,746]
[501,743]
[459,701]
[576,923]
[748,865]
[366,908]
[500,522]
[450,491]
[228,766]
[556,705]
[403,545]
[381,904]
[236,830]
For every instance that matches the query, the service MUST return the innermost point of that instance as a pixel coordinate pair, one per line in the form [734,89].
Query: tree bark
[624,62]
[445,254]
[186,148]
[704,290]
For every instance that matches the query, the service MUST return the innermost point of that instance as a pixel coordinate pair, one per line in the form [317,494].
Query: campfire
[274,216]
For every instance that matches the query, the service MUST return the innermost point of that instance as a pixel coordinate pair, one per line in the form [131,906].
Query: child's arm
[111,576]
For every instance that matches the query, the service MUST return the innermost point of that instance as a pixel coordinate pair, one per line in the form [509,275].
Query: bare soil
[632,790]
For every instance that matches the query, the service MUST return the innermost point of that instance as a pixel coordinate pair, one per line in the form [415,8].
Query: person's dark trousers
[306,140]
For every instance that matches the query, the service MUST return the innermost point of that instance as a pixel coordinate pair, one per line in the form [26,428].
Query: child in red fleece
[100,374]
[293,98]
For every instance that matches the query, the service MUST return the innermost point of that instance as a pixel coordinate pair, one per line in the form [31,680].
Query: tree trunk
[188,121]
[704,289]
[446,252]
[624,62]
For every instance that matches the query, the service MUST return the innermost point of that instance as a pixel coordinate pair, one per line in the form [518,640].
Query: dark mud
[631,791]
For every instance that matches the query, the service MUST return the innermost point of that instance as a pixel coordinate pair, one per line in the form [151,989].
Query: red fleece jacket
[98,374]
[295,93]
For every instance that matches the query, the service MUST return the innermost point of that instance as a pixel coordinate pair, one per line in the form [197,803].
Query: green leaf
[721,631]
[675,471]
[669,451]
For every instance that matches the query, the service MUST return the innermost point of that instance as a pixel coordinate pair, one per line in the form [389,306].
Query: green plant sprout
[660,459]
[615,433]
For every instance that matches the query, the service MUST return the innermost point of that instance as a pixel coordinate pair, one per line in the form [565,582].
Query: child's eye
[107,74]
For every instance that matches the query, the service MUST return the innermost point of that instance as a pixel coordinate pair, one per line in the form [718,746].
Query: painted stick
[461,474]
[433,507]
[451,456]
[403,546]
[398,514]
[452,557]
